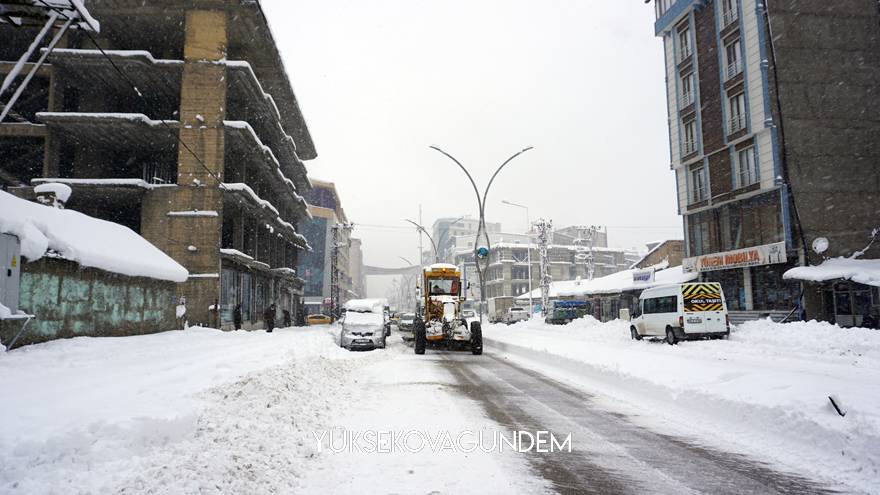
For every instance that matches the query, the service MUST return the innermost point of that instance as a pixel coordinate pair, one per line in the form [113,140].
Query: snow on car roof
[376,305]
[86,240]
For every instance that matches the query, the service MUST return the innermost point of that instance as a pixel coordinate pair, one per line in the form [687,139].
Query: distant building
[314,267]
[508,271]
[358,277]
[452,233]
[669,251]
[773,140]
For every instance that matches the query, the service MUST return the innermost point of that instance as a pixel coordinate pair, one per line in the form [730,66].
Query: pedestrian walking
[269,318]
[236,316]
[287,322]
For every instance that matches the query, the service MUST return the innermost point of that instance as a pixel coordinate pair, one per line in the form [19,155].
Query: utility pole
[584,248]
[340,232]
[545,237]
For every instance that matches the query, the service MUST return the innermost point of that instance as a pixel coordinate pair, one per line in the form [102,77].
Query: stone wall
[71,301]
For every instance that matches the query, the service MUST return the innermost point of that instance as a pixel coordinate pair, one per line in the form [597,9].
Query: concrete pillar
[202,110]
[747,288]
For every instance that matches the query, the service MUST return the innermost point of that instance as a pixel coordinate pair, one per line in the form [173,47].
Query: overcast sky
[581,81]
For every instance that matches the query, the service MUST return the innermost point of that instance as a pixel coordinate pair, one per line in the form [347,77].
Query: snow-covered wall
[88,241]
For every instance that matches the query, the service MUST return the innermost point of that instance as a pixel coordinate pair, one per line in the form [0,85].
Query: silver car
[362,330]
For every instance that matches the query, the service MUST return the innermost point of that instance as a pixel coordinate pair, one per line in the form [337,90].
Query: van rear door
[704,310]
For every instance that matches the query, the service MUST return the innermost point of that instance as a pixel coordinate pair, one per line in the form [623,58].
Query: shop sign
[767,254]
[643,276]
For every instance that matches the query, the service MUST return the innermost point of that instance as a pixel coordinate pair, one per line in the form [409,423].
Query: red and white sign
[767,254]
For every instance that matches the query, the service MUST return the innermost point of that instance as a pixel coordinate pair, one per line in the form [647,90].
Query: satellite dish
[820,245]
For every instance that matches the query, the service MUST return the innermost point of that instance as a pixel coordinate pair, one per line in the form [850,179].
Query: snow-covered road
[203,411]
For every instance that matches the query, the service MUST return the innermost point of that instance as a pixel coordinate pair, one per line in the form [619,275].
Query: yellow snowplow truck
[439,322]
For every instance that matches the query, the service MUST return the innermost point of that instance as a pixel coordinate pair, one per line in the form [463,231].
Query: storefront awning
[861,271]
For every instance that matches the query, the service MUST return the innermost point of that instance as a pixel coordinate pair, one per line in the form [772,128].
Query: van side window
[661,305]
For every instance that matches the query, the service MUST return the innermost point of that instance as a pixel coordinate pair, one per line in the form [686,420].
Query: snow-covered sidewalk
[764,392]
[173,412]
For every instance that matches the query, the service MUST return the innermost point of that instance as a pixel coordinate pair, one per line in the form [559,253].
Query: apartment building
[327,214]
[773,140]
[185,128]
[510,254]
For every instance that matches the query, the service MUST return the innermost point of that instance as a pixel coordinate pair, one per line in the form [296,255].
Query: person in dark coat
[269,317]
[236,317]
[870,320]
[287,322]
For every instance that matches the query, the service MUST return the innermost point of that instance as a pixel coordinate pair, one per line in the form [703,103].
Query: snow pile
[765,391]
[86,240]
[176,412]
[858,270]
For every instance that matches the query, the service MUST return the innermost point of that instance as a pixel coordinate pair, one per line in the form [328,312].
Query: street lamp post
[433,244]
[528,251]
[407,280]
[481,229]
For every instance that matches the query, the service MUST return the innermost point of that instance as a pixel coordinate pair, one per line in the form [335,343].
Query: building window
[699,186]
[736,109]
[733,58]
[684,44]
[661,6]
[687,90]
[747,166]
[729,13]
[690,137]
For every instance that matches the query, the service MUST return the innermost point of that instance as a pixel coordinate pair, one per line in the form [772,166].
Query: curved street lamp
[445,233]
[481,205]
[433,244]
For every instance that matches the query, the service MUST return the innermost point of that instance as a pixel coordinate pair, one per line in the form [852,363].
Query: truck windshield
[443,287]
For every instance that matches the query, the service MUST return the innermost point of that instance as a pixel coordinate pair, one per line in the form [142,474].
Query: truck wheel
[670,336]
[420,337]
[476,338]
[635,333]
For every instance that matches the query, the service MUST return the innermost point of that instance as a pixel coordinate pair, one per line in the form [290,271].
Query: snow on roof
[858,270]
[614,283]
[61,191]
[101,182]
[86,240]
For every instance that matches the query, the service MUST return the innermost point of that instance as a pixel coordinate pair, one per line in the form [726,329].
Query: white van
[681,312]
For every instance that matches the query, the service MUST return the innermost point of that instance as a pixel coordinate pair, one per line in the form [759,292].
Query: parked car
[362,330]
[564,312]
[515,314]
[406,326]
[681,312]
[317,319]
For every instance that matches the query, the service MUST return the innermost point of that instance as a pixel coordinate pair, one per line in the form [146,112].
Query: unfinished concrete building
[183,127]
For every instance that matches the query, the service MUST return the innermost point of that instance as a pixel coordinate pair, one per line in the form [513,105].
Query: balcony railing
[690,146]
[687,98]
[737,123]
[733,69]
[729,17]
[684,54]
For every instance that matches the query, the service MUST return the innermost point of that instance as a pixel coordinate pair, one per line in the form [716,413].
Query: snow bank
[176,412]
[858,270]
[86,240]
[764,392]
